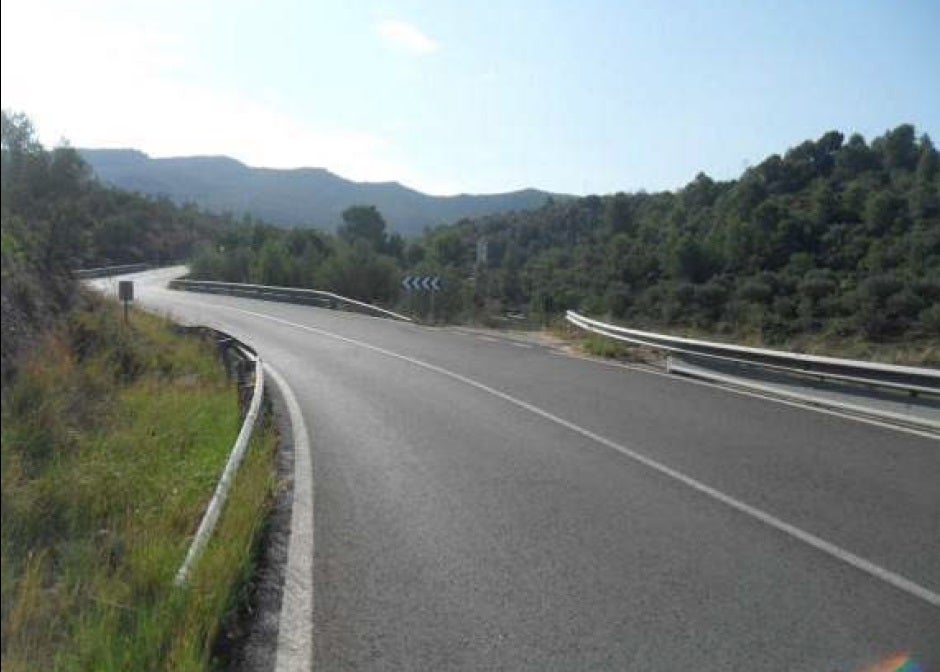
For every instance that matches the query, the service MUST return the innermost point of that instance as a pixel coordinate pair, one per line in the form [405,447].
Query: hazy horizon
[290,168]
[446,99]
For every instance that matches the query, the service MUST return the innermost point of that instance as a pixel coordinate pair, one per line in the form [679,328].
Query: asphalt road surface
[479,505]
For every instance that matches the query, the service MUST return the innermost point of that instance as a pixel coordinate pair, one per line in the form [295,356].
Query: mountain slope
[298,197]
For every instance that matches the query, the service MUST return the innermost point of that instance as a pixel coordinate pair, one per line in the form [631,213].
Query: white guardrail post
[911,379]
[216,504]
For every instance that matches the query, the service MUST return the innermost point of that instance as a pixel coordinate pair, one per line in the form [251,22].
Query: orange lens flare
[898,662]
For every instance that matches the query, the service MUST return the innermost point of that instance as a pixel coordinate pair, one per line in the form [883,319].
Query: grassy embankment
[113,440]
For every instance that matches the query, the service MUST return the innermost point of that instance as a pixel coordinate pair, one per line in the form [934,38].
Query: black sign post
[125,294]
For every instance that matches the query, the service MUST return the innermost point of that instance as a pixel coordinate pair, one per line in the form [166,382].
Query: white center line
[849,558]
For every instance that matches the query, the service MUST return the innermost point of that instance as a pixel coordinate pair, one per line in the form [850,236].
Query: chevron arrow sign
[418,283]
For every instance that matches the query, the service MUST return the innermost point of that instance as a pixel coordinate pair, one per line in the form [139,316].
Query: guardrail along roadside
[244,367]
[312,297]
[900,394]
[108,271]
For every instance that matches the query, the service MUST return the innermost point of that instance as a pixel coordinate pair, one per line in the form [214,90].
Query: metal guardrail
[288,294]
[907,378]
[105,271]
[216,504]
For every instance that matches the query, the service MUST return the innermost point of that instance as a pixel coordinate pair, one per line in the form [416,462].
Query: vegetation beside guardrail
[113,440]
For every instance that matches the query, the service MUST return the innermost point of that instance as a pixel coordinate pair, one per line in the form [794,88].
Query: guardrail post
[243,384]
[224,345]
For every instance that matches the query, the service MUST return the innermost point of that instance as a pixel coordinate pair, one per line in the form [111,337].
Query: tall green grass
[113,439]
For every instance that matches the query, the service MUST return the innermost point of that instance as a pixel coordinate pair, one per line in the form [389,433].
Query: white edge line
[699,372]
[718,386]
[295,625]
[745,393]
[900,582]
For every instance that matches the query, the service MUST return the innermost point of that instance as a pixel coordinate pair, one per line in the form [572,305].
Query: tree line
[832,236]
[835,236]
[55,217]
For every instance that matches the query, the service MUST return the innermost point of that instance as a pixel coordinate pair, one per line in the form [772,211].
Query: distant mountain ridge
[295,197]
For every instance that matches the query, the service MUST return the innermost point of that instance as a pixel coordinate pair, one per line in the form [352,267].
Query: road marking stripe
[704,383]
[716,386]
[746,393]
[849,558]
[772,389]
[295,625]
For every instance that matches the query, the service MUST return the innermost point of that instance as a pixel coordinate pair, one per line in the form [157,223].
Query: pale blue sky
[577,97]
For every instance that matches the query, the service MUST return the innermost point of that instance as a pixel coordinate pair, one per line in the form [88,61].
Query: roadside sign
[126,290]
[126,294]
[418,283]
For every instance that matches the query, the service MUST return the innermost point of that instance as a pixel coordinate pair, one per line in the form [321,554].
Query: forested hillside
[56,217]
[838,237]
[832,235]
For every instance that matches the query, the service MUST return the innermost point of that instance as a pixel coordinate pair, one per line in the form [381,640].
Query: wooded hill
[833,235]
[56,217]
[836,236]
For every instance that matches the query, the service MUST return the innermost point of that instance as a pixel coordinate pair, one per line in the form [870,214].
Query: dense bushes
[832,236]
[55,217]
[361,262]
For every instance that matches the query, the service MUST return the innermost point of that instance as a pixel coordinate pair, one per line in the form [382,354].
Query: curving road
[483,503]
